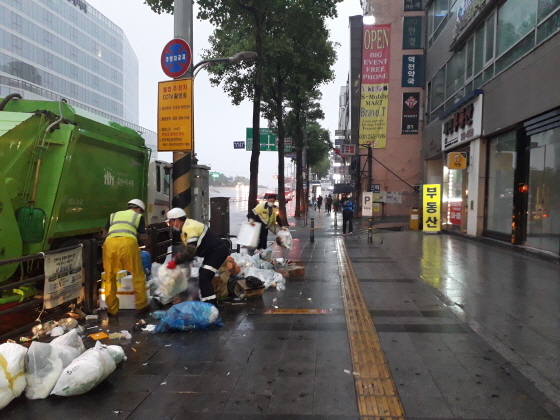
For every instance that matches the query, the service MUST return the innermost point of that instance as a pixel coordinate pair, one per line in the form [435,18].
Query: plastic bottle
[158,314]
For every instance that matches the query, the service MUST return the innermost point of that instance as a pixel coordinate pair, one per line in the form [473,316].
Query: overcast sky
[218,123]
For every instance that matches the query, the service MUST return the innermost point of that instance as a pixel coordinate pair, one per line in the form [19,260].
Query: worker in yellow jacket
[267,214]
[121,252]
[206,243]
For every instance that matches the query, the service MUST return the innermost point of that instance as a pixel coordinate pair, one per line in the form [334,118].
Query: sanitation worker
[202,242]
[121,252]
[267,214]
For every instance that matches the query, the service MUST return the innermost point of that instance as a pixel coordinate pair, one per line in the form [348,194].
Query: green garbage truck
[63,171]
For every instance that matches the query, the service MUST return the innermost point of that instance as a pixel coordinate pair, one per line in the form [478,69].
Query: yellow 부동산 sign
[432,207]
[175,115]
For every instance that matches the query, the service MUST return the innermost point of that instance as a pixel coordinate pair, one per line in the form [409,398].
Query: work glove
[252,221]
[171,264]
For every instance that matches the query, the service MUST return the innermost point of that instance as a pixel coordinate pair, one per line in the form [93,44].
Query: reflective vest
[193,232]
[269,220]
[124,223]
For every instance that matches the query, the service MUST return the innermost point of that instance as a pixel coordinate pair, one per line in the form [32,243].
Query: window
[438,89]
[469,58]
[436,14]
[489,44]
[516,18]
[545,7]
[455,73]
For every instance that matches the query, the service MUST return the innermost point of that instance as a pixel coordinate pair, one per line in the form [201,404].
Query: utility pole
[182,162]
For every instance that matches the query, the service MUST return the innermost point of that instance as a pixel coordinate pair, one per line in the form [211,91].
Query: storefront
[461,139]
[523,184]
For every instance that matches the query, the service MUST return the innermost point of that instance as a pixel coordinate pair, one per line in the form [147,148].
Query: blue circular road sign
[176,58]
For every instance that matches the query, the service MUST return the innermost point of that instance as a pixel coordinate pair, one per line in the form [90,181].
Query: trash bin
[219,216]
[414,222]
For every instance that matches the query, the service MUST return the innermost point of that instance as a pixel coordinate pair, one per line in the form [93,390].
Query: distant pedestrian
[347,206]
[328,204]
[319,202]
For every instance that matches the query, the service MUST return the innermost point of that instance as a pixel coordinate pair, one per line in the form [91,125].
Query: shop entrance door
[543,216]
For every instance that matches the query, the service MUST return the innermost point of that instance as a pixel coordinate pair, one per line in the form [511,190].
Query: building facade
[493,103]
[385,92]
[66,49]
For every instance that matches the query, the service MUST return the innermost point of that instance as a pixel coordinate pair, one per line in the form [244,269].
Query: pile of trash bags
[189,316]
[259,265]
[61,367]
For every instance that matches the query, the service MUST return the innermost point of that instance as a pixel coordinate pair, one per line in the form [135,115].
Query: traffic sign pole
[182,162]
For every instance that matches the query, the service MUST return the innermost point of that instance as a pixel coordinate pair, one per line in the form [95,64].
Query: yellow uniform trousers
[122,253]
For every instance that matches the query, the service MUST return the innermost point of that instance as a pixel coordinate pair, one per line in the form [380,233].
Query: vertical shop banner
[454,212]
[432,207]
[412,32]
[375,85]
[410,112]
[63,277]
[412,71]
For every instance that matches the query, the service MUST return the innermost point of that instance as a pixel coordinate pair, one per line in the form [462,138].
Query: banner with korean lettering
[175,116]
[63,277]
[432,207]
[375,85]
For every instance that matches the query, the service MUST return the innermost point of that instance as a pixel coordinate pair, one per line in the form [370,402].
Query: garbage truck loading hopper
[65,172]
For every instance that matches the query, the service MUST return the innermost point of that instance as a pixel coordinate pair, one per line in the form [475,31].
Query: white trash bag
[117,353]
[169,282]
[85,372]
[284,239]
[12,373]
[69,346]
[43,367]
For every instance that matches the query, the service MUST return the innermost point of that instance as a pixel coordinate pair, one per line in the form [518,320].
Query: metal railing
[158,247]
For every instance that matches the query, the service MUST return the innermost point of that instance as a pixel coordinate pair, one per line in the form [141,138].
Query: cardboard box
[243,291]
[292,271]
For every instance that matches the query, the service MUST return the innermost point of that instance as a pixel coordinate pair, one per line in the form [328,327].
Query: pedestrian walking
[267,214]
[207,244]
[347,206]
[328,204]
[121,252]
[319,202]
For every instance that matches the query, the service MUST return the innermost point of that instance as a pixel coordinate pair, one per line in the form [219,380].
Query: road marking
[377,395]
[296,311]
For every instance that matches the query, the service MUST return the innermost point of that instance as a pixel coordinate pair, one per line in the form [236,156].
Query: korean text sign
[63,277]
[432,207]
[175,115]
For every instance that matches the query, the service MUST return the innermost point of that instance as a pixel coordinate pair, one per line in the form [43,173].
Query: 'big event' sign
[375,85]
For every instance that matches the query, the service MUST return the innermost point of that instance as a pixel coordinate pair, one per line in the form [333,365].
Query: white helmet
[138,203]
[175,213]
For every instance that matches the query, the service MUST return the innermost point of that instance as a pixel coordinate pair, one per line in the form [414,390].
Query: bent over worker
[208,246]
[121,252]
[267,214]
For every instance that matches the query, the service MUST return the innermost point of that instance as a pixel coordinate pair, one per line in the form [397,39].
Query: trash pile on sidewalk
[62,366]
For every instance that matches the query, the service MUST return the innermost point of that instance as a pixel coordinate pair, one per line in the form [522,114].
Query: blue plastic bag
[146,262]
[188,316]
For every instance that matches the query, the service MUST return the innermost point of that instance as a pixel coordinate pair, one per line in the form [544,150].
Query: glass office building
[66,49]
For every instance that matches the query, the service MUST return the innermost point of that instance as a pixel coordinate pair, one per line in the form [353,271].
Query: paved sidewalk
[469,330]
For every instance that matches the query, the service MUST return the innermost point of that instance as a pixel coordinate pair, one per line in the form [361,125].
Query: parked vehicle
[64,170]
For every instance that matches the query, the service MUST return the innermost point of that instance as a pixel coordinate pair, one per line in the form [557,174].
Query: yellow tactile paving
[377,395]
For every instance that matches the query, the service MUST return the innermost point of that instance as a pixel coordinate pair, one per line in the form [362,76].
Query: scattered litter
[163,383]
[138,342]
[276,307]
[117,412]
[309,299]
[228,373]
[144,364]
[347,371]
[92,317]
[168,345]
[99,336]
[126,335]
[149,328]
[112,336]
[133,349]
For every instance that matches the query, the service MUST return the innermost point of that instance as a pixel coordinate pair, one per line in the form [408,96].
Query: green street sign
[267,139]
[215,174]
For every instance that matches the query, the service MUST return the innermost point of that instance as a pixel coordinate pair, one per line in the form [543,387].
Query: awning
[343,189]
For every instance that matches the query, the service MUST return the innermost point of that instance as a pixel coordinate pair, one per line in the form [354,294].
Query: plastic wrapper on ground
[188,316]
[12,374]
